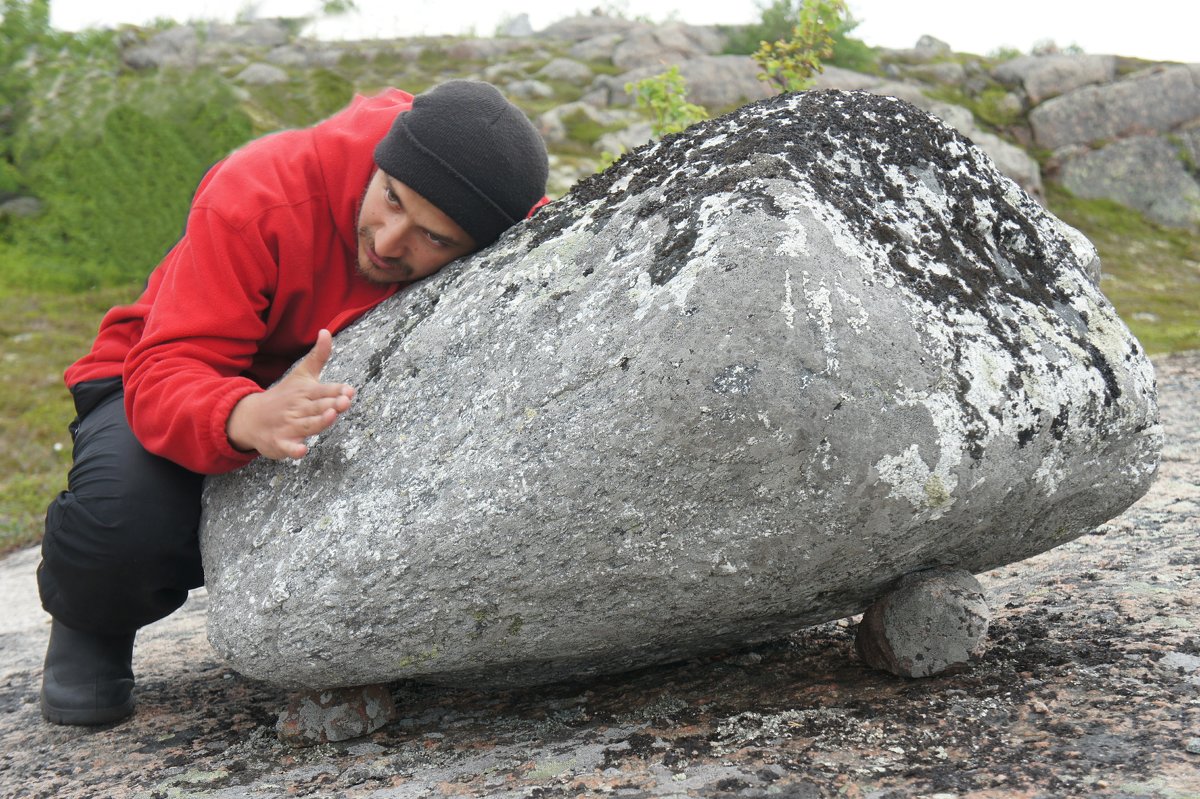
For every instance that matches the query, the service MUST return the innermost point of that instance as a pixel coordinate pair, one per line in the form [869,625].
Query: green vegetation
[41,333]
[664,96]
[1151,273]
[992,107]
[108,227]
[792,63]
[777,22]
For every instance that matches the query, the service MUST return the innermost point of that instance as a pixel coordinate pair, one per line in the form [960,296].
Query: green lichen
[935,492]
[417,659]
[550,768]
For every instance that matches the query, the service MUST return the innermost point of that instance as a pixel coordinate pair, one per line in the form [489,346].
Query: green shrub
[115,187]
[664,96]
[777,20]
[792,63]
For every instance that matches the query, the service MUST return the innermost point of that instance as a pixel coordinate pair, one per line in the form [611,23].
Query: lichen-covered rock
[338,714]
[737,384]
[930,622]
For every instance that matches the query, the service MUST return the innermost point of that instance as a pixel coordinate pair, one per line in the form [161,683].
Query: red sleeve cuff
[221,456]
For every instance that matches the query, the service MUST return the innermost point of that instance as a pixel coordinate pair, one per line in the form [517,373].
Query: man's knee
[120,496]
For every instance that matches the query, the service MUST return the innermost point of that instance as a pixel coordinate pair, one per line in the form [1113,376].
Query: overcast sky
[1153,29]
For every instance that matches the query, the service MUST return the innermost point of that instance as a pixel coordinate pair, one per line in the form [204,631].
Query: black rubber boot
[88,678]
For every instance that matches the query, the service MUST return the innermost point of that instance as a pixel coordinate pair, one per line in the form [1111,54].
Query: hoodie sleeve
[183,378]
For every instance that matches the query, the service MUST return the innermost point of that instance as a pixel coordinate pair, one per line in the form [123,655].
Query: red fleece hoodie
[268,259]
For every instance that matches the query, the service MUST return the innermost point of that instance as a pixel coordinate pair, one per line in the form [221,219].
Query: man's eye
[390,195]
[436,241]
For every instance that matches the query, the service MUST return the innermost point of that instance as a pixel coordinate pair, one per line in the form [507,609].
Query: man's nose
[390,239]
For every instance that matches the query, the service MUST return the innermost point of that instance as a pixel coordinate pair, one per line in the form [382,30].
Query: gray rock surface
[554,124]
[518,26]
[1043,77]
[927,49]
[581,28]
[948,73]
[337,714]
[21,207]
[661,46]
[262,75]
[1157,175]
[306,55]
[714,81]
[596,48]
[566,69]
[174,47]
[736,385]
[258,33]
[626,139]
[845,79]
[529,89]
[484,49]
[1158,100]
[931,622]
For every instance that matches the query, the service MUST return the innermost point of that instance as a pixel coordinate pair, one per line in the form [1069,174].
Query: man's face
[403,237]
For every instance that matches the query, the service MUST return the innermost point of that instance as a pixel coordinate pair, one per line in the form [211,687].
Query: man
[288,240]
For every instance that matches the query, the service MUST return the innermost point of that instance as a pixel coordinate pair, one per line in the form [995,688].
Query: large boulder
[739,383]
[1046,76]
[1156,100]
[659,46]
[1157,175]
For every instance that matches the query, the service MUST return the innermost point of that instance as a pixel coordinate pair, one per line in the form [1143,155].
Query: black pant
[121,547]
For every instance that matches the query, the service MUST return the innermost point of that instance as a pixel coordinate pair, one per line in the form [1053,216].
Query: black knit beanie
[471,153]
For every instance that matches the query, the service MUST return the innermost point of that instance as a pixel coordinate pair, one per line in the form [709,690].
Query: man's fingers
[318,356]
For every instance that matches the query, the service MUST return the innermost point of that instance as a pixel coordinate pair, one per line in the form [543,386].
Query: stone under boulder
[740,383]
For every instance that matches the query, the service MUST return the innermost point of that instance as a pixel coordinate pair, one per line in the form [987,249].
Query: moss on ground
[1151,273]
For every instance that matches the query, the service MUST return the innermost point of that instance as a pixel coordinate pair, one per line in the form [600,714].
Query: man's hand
[275,422]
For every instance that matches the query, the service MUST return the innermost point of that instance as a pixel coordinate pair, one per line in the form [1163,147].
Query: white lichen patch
[674,292]
[856,314]
[907,475]
[788,308]
[793,242]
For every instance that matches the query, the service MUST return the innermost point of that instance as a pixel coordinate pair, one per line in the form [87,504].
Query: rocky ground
[1090,686]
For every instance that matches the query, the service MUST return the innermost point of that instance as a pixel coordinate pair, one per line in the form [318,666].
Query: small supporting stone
[335,714]
[932,622]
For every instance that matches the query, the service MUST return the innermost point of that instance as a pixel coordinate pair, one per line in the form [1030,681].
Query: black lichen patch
[1058,427]
[672,256]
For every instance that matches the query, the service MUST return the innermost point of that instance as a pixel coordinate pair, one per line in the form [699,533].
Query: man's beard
[398,271]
